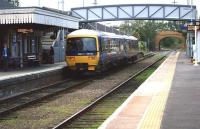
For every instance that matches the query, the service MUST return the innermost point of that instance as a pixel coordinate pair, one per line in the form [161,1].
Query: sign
[197,22]
[24,30]
[192,27]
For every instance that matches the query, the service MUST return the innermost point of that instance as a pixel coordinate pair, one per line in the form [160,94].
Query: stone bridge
[165,34]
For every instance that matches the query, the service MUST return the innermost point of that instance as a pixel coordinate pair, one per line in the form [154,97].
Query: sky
[68,4]
[79,3]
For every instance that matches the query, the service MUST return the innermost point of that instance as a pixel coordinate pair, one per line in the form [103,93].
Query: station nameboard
[197,23]
[24,30]
[191,27]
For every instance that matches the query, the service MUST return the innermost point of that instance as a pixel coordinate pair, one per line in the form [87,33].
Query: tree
[170,42]
[146,30]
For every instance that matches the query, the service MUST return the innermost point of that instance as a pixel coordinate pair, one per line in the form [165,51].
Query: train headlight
[91,57]
[71,58]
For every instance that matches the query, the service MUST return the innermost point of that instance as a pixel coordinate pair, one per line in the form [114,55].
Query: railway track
[148,55]
[19,101]
[96,112]
[67,103]
[22,100]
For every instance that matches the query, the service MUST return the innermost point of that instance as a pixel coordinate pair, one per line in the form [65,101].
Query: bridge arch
[164,34]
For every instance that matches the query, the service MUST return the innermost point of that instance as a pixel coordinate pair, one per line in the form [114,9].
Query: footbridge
[135,12]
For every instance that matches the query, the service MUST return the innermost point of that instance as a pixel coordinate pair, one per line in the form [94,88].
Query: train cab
[82,50]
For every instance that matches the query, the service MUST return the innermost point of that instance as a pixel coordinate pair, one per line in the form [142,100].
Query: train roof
[86,32]
[107,34]
[132,38]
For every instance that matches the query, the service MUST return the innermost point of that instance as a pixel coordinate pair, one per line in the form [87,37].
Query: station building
[32,30]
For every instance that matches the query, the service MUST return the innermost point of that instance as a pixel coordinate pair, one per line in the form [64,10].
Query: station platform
[30,72]
[17,81]
[168,99]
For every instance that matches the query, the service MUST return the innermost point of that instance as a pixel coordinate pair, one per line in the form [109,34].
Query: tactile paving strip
[154,113]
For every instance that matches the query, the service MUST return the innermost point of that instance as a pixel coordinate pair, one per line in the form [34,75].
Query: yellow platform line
[153,115]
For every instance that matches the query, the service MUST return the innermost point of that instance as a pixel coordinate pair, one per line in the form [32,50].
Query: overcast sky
[79,3]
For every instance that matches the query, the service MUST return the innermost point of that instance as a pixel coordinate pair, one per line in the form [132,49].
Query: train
[90,50]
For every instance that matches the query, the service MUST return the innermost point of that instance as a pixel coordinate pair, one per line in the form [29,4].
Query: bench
[32,60]
[14,62]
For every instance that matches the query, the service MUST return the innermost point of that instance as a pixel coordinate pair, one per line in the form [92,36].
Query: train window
[107,44]
[121,47]
[103,44]
[89,44]
[81,45]
[110,45]
[70,46]
[132,44]
[127,46]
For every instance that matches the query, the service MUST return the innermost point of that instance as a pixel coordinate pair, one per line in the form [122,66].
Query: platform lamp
[62,4]
[195,36]
[95,2]
[174,2]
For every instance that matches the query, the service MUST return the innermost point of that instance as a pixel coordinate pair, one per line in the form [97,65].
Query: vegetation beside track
[50,112]
[98,114]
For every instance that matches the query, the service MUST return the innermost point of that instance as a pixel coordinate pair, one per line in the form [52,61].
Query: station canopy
[36,15]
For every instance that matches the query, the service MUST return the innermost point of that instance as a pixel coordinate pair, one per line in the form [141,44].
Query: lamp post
[95,2]
[39,3]
[62,4]
[195,36]
[174,2]
[195,42]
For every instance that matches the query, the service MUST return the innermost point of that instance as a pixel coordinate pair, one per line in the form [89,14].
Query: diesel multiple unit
[96,51]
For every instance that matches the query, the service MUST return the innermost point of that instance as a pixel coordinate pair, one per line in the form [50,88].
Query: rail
[94,103]
[11,104]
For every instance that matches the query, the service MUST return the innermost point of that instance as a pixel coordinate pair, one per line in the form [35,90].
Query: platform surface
[15,73]
[168,99]
[182,110]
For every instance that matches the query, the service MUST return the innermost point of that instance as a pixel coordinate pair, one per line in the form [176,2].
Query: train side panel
[132,50]
[112,50]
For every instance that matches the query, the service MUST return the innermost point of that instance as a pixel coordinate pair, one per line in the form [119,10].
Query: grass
[94,118]
[35,120]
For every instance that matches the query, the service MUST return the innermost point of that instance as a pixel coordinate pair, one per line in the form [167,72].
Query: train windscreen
[81,46]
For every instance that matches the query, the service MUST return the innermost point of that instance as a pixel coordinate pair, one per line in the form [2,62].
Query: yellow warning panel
[154,113]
